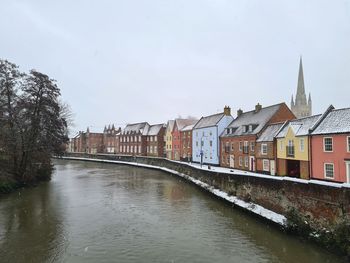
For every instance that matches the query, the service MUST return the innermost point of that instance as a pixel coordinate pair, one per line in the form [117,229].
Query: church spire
[301,107]
[301,86]
[292,101]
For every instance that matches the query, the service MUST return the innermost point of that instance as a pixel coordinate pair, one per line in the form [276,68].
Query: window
[139,138]
[348,143]
[211,143]
[244,128]
[266,165]
[151,138]
[290,148]
[328,144]
[302,145]
[140,149]
[264,148]
[232,147]
[246,147]
[329,170]
[252,146]
[246,161]
[197,143]
[202,142]
[155,138]
[240,146]
[240,161]
[227,147]
[250,128]
[147,149]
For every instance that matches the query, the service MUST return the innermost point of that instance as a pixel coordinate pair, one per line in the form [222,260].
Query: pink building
[330,146]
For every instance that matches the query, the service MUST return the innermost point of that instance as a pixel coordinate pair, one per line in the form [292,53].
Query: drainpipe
[310,157]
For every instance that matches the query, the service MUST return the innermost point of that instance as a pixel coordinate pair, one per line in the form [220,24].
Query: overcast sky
[153,60]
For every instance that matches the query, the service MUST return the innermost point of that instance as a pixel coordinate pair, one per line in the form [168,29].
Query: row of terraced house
[267,140]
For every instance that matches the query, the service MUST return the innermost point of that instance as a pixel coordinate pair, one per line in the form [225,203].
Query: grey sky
[129,61]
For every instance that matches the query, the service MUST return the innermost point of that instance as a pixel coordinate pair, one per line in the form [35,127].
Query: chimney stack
[239,112]
[227,111]
[258,107]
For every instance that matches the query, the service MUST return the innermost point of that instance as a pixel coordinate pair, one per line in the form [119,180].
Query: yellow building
[169,139]
[293,147]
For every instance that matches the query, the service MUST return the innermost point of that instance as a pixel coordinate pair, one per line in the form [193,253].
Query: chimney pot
[227,111]
[239,112]
[258,107]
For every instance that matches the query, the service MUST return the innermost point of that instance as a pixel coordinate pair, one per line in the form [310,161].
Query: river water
[93,212]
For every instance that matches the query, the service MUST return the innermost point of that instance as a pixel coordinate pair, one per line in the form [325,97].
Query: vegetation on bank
[336,239]
[33,126]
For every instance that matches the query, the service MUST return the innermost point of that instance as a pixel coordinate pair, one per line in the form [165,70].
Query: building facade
[265,149]
[330,146]
[155,145]
[179,124]
[238,142]
[293,157]
[205,137]
[169,139]
[301,107]
[133,139]
[186,143]
[111,139]
[88,142]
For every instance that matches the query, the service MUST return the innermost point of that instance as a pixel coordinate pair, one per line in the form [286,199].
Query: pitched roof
[257,119]
[269,132]
[336,121]
[154,129]
[300,126]
[141,127]
[188,127]
[209,121]
[180,123]
[170,125]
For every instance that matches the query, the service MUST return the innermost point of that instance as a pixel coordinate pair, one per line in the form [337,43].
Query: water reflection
[93,212]
[31,226]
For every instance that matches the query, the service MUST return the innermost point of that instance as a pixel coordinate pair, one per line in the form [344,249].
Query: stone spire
[301,107]
[300,98]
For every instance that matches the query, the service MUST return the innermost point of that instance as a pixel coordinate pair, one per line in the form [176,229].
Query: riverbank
[315,210]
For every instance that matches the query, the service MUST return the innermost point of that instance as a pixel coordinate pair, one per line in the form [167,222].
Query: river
[93,212]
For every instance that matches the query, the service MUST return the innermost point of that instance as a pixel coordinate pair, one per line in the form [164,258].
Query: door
[347,172]
[252,163]
[232,161]
[272,167]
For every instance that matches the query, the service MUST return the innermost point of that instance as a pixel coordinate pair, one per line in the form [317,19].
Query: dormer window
[250,128]
[228,131]
[244,128]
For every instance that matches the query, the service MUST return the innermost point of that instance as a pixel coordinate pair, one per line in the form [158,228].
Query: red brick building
[186,143]
[88,142]
[179,124]
[133,139]
[155,140]
[111,139]
[265,149]
[238,141]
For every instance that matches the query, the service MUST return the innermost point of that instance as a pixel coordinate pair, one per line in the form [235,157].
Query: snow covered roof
[255,120]
[336,121]
[170,125]
[300,126]
[155,129]
[269,132]
[181,123]
[141,127]
[188,127]
[209,121]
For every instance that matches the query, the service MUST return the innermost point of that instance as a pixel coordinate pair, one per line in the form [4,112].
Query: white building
[205,137]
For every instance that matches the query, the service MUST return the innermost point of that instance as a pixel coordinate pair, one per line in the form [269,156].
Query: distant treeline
[33,125]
